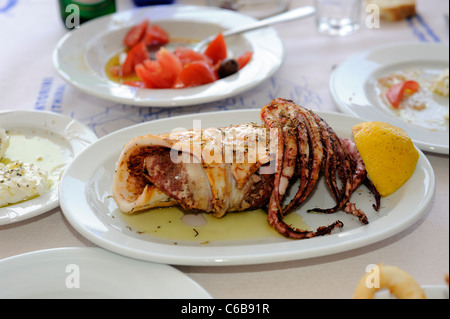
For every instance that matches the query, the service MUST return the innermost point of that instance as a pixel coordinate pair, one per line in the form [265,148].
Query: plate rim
[49,205]
[231,90]
[231,258]
[345,108]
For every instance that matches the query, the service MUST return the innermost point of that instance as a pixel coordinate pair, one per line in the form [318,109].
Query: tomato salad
[179,69]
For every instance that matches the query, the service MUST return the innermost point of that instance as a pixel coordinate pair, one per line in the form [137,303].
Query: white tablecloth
[29,31]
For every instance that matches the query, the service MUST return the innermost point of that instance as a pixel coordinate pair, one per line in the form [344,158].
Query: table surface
[29,32]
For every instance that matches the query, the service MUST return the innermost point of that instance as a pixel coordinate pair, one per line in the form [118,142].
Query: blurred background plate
[80,56]
[353,87]
[68,134]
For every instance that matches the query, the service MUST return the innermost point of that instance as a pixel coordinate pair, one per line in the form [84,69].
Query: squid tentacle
[311,147]
[275,213]
[344,171]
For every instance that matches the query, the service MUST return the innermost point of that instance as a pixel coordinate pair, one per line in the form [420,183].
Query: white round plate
[69,134]
[87,203]
[80,57]
[91,273]
[352,86]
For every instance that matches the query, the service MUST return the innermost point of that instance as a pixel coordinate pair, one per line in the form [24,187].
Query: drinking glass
[338,17]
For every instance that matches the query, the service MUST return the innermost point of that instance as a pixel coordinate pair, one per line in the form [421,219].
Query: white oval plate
[86,201]
[80,57]
[352,86]
[69,134]
[91,273]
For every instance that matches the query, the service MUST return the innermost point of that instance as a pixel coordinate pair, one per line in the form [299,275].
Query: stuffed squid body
[203,170]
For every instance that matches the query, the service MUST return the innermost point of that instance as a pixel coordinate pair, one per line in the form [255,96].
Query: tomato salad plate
[40,139]
[404,84]
[174,236]
[82,57]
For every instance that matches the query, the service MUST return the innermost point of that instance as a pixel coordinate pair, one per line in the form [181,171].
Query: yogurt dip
[21,181]
[21,175]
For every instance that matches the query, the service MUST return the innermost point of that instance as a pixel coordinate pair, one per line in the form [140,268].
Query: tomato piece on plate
[217,49]
[170,68]
[151,65]
[156,36]
[187,55]
[243,59]
[145,75]
[135,34]
[136,55]
[396,93]
[195,74]
[162,73]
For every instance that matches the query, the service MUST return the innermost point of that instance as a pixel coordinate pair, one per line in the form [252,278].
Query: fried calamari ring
[397,281]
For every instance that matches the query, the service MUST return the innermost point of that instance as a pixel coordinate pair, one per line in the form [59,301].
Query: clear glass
[258,9]
[338,17]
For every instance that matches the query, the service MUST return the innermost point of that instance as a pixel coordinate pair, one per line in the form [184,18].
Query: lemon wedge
[388,153]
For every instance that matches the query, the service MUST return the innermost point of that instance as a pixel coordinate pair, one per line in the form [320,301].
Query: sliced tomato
[187,55]
[195,74]
[162,73]
[396,93]
[243,59]
[135,34]
[145,75]
[151,65]
[136,55]
[217,49]
[170,67]
[155,36]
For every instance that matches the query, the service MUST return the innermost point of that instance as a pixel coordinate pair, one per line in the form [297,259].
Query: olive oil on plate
[179,226]
[44,149]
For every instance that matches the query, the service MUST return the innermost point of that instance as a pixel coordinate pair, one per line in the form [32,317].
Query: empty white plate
[94,273]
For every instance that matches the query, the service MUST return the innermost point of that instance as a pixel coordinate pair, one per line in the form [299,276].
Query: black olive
[227,68]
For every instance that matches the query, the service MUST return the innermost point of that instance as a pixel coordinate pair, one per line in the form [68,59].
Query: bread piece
[395,10]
